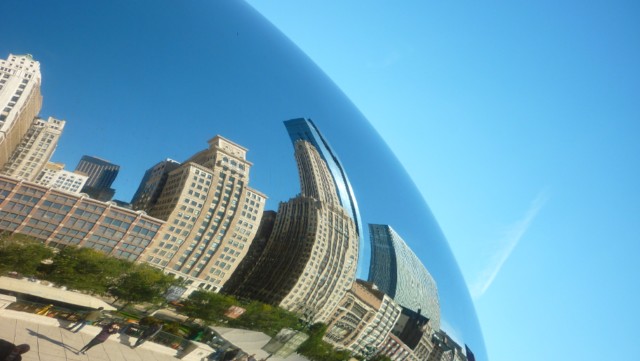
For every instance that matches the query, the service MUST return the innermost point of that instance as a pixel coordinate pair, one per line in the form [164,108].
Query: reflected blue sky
[138,84]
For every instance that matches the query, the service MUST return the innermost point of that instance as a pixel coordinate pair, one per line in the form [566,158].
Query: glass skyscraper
[398,272]
[305,129]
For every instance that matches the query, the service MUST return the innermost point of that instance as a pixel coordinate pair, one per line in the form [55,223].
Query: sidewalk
[50,342]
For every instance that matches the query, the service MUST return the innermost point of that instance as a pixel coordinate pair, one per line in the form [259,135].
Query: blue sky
[519,121]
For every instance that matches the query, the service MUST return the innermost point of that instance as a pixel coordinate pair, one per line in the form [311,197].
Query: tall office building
[55,176]
[34,151]
[362,320]
[212,216]
[101,174]
[310,260]
[20,101]
[152,184]
[254,253]
[398,272]
[305,129]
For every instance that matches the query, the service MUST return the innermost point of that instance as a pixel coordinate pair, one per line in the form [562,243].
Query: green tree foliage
[86,269]
[317,349]
[265,318]
[141,283]
[22,254]
[207,306]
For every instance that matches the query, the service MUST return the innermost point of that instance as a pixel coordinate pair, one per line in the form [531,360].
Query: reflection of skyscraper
[151,185]
[34,151]
[305,129]
[53,175]
[310,260]
[362,320]
[398,272]
[212,216]
[101,175]
[20,100]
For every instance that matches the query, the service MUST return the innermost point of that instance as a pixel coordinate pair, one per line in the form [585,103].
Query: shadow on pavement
[56,342]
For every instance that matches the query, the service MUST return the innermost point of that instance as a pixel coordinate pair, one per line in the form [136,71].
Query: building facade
[34,151]
[396,350]
[54,175]
[398,272]
[310,260]
[305,129]
[152,184]
[363,319]
[212,216]
[20,101]
[101,174]
[63,219]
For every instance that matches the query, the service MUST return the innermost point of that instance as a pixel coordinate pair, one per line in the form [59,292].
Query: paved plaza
[50,342]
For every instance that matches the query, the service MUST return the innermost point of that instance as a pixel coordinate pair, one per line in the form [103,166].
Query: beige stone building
[55,176]
[34,151]
[363,319]
[309,262]
[20,101]
[212,216]
[63,219]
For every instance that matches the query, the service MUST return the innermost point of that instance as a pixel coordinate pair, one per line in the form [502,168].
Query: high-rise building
[212,216]
[363,319]
[398,272]
[55,176]
[152,184]
[34,151]
[305,129]
[253,255]
[20,101]
[63,219]
[310,260]
[101,174]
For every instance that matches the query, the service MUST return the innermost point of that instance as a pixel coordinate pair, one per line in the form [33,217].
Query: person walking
[11,352]
[147,334]
[107,331]
[87,319]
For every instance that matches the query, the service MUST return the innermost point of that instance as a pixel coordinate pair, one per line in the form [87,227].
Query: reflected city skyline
[250,79]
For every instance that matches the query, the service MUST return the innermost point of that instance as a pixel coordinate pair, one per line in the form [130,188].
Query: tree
[316,349]
[22,254]
[86,269]
[207,306]
[142,283]
[265,318]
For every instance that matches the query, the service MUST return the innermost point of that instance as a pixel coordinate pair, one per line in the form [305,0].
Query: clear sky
[520,123]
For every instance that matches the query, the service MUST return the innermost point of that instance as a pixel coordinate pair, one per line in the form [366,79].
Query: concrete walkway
[50,342]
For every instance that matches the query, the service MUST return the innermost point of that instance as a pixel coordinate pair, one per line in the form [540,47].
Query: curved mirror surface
[215,87]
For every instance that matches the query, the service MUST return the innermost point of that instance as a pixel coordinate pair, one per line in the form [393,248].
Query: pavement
[50,341]
[46,290]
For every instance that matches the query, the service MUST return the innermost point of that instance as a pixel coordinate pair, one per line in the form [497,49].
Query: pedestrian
[147,334]
[87,319]
[11,352]
[107,331]
[252,358]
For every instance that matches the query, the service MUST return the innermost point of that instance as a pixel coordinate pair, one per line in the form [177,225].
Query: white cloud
[506,245]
